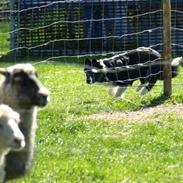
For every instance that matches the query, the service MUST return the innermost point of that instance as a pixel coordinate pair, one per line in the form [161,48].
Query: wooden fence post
[167,50]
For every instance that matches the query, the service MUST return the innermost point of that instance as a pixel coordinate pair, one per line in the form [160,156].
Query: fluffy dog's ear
[4,72]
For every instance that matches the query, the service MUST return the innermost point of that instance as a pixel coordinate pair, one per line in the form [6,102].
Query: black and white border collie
[120,71]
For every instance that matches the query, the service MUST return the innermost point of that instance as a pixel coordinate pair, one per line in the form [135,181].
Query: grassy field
[70,148]
[4,38]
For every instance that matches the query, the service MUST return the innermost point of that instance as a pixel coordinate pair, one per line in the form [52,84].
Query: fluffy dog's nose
[19,142]
[43,96]
[43,99]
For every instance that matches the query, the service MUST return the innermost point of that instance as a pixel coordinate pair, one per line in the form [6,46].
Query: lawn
[4,38]
[70,148]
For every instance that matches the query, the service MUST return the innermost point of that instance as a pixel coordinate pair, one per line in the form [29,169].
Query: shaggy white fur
[11,138]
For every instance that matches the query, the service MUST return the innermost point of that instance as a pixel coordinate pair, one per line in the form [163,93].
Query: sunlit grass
[73,149]
[4,38]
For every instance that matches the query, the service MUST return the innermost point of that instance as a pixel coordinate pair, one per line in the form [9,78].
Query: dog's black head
[94,71]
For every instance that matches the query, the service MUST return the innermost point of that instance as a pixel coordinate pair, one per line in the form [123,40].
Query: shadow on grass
[157,101]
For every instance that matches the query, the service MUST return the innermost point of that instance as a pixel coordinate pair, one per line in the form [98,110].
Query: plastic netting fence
[90,27]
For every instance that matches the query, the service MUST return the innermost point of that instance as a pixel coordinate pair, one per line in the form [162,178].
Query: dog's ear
[88,61]
[96,63]
[5,73]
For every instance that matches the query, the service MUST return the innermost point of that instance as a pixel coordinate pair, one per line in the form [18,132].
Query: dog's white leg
[144,91]
[112,90]
[139,87]
[117,91]
[121,92]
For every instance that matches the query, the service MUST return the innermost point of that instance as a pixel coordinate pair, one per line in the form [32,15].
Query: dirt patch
[141,114]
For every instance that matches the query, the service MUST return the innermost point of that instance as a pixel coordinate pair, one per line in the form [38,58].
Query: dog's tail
[176,61]
[175,65]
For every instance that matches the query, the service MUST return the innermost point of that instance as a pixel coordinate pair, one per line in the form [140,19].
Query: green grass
[4,38]
[72,149]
